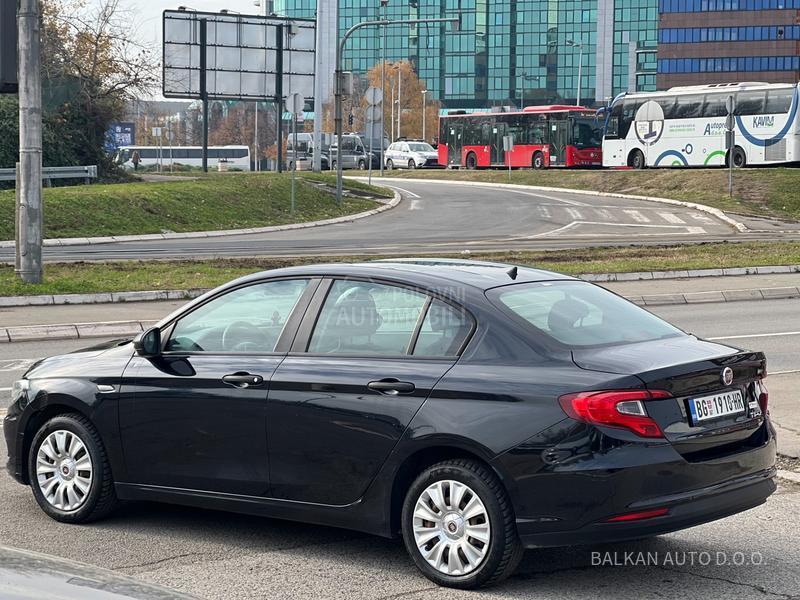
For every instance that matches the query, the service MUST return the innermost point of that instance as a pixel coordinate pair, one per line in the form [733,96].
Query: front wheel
[459,527]
[538,161]
[362,165]
[472,161]
[739,157]
[69,471]
[412,165]
[390,165]
[334,164]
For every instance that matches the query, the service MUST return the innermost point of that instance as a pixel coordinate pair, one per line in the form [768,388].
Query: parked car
[411,155]
[476,409]
[26,575]
[303,154]
[354,155]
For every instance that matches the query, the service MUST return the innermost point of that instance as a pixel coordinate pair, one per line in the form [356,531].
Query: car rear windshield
[579,314]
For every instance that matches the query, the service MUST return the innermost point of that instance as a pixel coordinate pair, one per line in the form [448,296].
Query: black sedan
[475,409]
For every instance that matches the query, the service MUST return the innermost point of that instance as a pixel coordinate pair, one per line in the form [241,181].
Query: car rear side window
[577,314]
[443,332]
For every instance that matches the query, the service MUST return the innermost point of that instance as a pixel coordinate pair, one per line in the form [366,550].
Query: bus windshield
[586,133]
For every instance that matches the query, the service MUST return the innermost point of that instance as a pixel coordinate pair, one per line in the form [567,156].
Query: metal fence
[87,173]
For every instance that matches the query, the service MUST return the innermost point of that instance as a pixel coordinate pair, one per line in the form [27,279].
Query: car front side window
[249,319]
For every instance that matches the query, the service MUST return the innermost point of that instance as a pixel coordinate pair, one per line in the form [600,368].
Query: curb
[737,225]
[72,331]
[91,241]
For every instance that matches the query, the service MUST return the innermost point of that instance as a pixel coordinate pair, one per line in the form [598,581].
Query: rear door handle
[392,387]
[243,380]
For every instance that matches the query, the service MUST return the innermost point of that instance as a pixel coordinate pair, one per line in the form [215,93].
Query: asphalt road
[449,217]
[228,556]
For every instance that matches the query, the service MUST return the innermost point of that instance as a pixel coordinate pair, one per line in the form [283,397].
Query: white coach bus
[232,156]
[685,126]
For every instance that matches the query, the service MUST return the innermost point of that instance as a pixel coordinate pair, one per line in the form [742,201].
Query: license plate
[718,405]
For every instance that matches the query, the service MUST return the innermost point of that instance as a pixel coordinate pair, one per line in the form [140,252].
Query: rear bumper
[695,508]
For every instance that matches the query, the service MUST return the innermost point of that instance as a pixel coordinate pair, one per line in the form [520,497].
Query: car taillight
[763,396]
[615,408]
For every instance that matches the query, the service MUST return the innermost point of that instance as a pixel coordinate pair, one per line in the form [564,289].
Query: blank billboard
[241,55]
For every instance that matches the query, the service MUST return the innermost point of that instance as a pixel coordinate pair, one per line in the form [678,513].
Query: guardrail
[87,173]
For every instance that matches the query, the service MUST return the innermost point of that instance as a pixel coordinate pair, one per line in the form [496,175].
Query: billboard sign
[120,134]
[242,55]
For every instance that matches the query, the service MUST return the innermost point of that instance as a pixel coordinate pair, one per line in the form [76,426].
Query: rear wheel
[69,471]
[390,164]
[362,165]
[472,161]
[636,160]
[334,165]
[739,157]
[459,527]
[412,165]
[538,161]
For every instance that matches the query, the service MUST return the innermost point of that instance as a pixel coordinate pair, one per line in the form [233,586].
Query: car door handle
[243,380]
[392,387]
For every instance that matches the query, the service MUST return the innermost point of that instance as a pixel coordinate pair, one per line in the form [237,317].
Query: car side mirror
[148,343]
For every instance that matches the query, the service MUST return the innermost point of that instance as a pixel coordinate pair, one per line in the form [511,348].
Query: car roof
[476,274]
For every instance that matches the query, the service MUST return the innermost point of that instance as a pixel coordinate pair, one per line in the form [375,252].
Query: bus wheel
[739,157]
[538,161]
[636,160]
[472,161]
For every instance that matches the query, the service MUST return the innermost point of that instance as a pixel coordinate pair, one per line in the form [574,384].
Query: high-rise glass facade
[506,46]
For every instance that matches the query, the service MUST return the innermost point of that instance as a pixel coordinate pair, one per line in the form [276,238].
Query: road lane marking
[671,218]
[5,389]
[701,217]
[696,230]
[574,214]
[543,212]
[405,191]
[606,214]
[754,335]
[415,205]
[553,198]
[636,216]
[782,372]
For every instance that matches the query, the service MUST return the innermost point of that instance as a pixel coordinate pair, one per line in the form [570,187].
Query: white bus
[232,156]
[685,126]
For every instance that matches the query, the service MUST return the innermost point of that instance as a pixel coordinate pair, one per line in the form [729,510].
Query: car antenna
[512,272]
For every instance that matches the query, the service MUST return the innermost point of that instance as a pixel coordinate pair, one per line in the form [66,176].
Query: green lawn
[131,276]
[766,191]
[233,201]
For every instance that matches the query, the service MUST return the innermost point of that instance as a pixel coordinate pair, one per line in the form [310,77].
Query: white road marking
[574,214]
[554,198]
[701,217]
[606,214]
[683,230]
[695,230]
[671,218]
[543,211]
[782,372]
[16,365]
[637,216]
[754,335]
[405,191]
[415,205]
[5,389]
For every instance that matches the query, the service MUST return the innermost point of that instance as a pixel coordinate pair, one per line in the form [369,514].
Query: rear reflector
[639,516]
[624,409]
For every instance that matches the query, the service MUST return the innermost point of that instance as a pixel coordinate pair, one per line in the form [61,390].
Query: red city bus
[544,136]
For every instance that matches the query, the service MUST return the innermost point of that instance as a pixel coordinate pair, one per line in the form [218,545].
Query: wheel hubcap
[64,470]
[451,527]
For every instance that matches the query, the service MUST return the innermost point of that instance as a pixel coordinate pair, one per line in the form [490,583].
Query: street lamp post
[525,77]
[424,115]
[579,46]
[383,15]
[339,87]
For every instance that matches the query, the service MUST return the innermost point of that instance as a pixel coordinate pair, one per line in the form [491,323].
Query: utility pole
[399,96]
[29,169]
[317,156]
[424,110]
[384,5]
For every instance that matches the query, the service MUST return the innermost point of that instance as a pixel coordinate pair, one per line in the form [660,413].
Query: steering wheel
[253,338]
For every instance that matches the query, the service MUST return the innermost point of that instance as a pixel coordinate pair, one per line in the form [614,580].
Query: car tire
[411,164]
[333,165]
[739,158]
[362,165]
[85,488]
[488,562]
[637,160]
[538,161]
[390,164]
[472,161]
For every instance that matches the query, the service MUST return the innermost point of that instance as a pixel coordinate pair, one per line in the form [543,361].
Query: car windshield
[579,314]
[420,148]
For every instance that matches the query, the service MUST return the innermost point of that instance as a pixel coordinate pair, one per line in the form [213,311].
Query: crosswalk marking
[574,213]
[701,217]
[606,214]
[671,218]
[544,212]
[637,216]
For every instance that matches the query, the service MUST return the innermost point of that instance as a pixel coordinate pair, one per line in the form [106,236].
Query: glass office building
[719,41]
[507,48]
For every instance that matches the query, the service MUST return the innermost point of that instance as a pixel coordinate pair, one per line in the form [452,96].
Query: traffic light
[350,120]
[8,47]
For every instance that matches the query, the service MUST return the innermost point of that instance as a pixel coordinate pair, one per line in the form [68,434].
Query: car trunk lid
[728,415]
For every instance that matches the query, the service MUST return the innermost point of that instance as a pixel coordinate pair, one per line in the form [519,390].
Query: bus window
[689,107]
[669,106]
[586,133]
[778,102]
[612,129]
[629,108]
[539,133]
[715,106]
[750,103]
